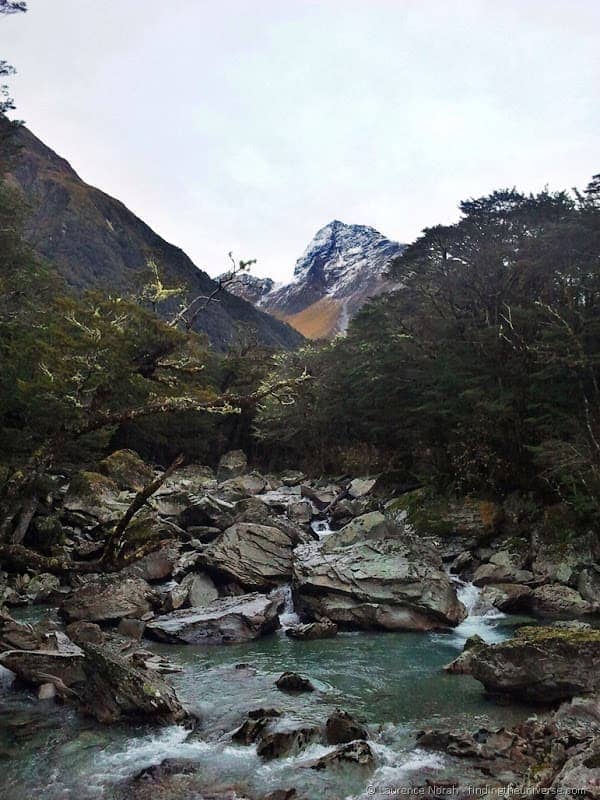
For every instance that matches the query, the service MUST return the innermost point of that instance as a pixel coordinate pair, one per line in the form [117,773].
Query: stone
[300,512]
[224,621]
[495,573]
[286,741]
[540,665]
[341,728]
[114,689]
[354,754]
[293,477]
[231,465]
[360,487]
[244,485]
[513,598]
[17,635]
[581,772]
[132,628]
[42,587]
[95,495]
[461,665]
[360,528]
[79,632]
[155,566]
[375,578]
[201,590]
[555,601]
[292,682]
[588,584]
[41,666]
[256,556]
[47,691]
[127,470]
[108,598]
[323,629]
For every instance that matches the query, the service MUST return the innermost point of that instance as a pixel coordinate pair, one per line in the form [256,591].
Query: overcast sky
[250,124]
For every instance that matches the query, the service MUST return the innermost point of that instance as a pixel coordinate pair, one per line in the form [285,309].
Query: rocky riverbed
[288,637]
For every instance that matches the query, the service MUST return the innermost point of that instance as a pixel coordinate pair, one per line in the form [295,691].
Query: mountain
[248,286]
[95,242]
[341,267]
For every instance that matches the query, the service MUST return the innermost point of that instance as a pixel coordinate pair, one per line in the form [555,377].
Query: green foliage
[481,374]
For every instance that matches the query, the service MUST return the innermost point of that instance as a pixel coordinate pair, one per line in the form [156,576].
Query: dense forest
[480,375]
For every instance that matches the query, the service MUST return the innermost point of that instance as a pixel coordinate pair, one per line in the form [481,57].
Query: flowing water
[394,682]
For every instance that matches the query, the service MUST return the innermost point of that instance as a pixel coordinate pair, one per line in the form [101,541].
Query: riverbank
[245,574]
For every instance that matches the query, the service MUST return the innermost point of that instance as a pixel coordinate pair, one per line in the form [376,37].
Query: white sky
[249,124]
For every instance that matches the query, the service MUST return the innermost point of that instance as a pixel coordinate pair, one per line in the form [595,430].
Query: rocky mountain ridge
[340,269]
[96,242]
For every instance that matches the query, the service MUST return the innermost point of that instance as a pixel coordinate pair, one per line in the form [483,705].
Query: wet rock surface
[224,621]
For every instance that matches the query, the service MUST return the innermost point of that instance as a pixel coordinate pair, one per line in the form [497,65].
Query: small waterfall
[321,528]
[288,617]
[482,617]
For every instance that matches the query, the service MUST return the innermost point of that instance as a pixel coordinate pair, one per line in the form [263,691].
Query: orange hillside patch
[318,321]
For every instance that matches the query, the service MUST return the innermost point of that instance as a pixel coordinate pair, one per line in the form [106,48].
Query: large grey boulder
[555,601]
[541,665]
[95,495]
[256,556]
[372,577]
[114,688]
[37,667]
[109,598]
[510,597]
[201,590]
[231,465]
[501,573]
[224,621]
[126,469]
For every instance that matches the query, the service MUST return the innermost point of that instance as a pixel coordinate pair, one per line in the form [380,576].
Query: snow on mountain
[341,267]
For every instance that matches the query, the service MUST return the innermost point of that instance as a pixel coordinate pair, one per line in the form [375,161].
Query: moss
[89,485]
[440,516]
[549,633]
[127,469]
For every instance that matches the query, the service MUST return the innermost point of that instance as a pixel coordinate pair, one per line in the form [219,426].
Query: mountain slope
[341,267]
[97,243]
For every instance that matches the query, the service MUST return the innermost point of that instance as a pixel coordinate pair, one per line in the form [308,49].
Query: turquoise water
[394,682]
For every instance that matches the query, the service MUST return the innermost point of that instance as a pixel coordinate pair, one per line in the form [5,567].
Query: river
[392,681]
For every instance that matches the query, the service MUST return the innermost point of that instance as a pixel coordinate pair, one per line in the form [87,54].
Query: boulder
[114,688]
[581,772]
[155,566]
[300,512]
[341,728]
[126,469]
[372,577]
[95,495]
[107,598]
[560,550]
[244,485]
[276,741]
[293,477]
[555,601]
[354,754]
[37,667]
[360,487]
[588,584]
[131,628]
[79,632]
[224,621]
[189,479]
[360,529]
[541,665]
[496,573]
[231,465]
[513,598]
[292,682]
[201,590]
[324,629]
[256,556]
[461,665]
[17,635]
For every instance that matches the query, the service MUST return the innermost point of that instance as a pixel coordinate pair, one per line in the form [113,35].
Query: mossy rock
[435,516]
[127,469]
